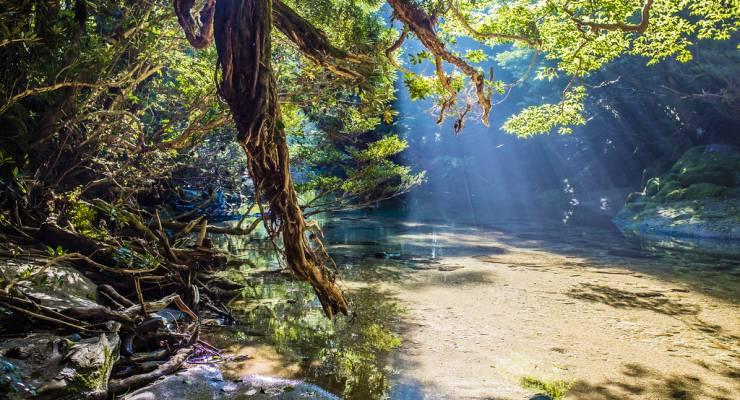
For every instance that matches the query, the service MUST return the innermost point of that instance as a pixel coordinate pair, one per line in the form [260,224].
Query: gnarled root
[242,34]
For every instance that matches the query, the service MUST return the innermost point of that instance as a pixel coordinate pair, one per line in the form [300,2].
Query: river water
[458,311]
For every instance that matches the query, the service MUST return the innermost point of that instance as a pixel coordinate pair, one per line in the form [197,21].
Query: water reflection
[710,266]
[346,356]
[282,322]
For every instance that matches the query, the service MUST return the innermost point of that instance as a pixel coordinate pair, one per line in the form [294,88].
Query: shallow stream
[445,311]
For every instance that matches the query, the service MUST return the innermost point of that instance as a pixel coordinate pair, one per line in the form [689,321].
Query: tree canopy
[577,38]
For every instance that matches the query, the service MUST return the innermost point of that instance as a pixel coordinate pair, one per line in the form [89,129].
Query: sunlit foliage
[577,38]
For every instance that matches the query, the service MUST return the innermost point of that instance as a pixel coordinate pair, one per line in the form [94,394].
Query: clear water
[352,357]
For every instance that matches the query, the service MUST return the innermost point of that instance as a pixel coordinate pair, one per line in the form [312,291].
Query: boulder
[697,198]
[60,286]
[89,364]
[42,365]
[207,382]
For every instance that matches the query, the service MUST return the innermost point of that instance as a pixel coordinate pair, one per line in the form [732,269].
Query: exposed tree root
[243,40]
[242,31]
[117,386]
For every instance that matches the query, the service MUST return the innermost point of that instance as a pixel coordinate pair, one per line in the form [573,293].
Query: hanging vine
[242,34]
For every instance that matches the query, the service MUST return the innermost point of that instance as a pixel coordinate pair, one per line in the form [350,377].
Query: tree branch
[395,46]
[50,88]
[199,32]
[638,28]
[423,27]
[314,44]
[488,35]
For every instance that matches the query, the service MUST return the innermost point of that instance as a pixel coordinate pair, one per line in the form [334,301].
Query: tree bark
[242,32]
[422,24]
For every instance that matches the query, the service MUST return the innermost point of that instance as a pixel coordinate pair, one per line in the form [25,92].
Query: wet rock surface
[695,198]
[207,382]
[53,366]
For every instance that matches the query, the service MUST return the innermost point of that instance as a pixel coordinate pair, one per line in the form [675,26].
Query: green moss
[555,389]
[97,379]
[700,191]
[671,177]
[653,186]
[676,195]
[634,197]
[720,176]
[697,175]
[666,189]
[660,167]
[699,166]
[636,206]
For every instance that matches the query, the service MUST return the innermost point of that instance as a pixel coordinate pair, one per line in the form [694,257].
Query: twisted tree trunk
[242,32]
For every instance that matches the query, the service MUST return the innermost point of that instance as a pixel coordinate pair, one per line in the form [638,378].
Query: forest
[367,199]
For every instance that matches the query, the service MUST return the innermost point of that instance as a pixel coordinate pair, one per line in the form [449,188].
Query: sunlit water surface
[281,325]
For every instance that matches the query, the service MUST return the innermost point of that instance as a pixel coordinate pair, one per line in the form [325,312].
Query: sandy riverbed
[624,331]
[611,318]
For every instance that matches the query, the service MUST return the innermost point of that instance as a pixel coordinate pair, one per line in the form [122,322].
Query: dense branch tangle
[422,25]
[242,32]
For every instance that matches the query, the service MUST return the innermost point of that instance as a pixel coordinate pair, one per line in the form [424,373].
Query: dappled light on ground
[476,310]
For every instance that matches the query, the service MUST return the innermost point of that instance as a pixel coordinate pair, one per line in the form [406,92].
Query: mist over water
[485,174]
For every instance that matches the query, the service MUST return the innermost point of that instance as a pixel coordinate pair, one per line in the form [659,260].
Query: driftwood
[117,386]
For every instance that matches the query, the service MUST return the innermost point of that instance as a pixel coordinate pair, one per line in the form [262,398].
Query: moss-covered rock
[721,177]
[47,366]
[92,361]
[667,189]
[714,164]
[82,371]
[698,197]
[634,197]
[700,191]
[657,169]
[652,187]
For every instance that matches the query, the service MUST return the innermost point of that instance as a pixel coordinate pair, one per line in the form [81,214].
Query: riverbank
[695,198]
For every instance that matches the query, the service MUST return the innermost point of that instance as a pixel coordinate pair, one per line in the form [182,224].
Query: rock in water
[88,367]
[696,198]
[207,382]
